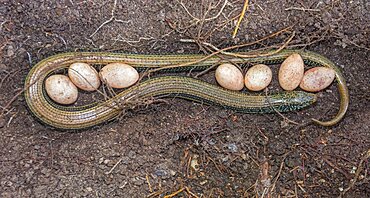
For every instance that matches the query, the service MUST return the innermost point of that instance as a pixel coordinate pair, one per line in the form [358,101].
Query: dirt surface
[208,151]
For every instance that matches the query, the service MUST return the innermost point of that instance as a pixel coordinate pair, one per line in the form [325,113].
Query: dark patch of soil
[157,143]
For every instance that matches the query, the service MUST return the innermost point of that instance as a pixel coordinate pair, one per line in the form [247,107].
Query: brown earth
[147,152]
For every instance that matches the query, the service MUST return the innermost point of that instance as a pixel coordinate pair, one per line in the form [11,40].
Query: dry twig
[186,189]
[360,166]
[110,19]
[197,20]
[224,51]
[175,193]
[110,171]
[280,169]
[148,182]
[245,7]
[302,9]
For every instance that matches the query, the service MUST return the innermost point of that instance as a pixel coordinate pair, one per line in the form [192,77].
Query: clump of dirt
[184,147]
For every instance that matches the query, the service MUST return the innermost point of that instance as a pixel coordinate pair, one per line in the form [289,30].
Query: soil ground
[209,151]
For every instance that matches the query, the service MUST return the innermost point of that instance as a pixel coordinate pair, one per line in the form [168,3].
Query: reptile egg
[119,75]
[317,79]
[84,76]
[291,72]
[61,89]
[258,77]
[229,77]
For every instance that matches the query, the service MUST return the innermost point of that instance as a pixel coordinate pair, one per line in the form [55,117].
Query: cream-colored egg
[61,89]
[84,76]
[229,77]
[119,75]
[291,72]
[317,79]
[258,77]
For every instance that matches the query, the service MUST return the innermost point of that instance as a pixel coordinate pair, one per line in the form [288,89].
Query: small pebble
[232,147]
[106,161]
[2,122]
[10,51]
[160,173]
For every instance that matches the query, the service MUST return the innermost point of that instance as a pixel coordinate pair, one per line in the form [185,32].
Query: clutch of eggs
[63,90]
[230,77]
[292,75]
[115,75]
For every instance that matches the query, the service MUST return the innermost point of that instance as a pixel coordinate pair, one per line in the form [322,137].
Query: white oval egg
[61,89]
[258,77]
[84,76]
[119,75]
[291,72]
[317,79]
[229,77]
